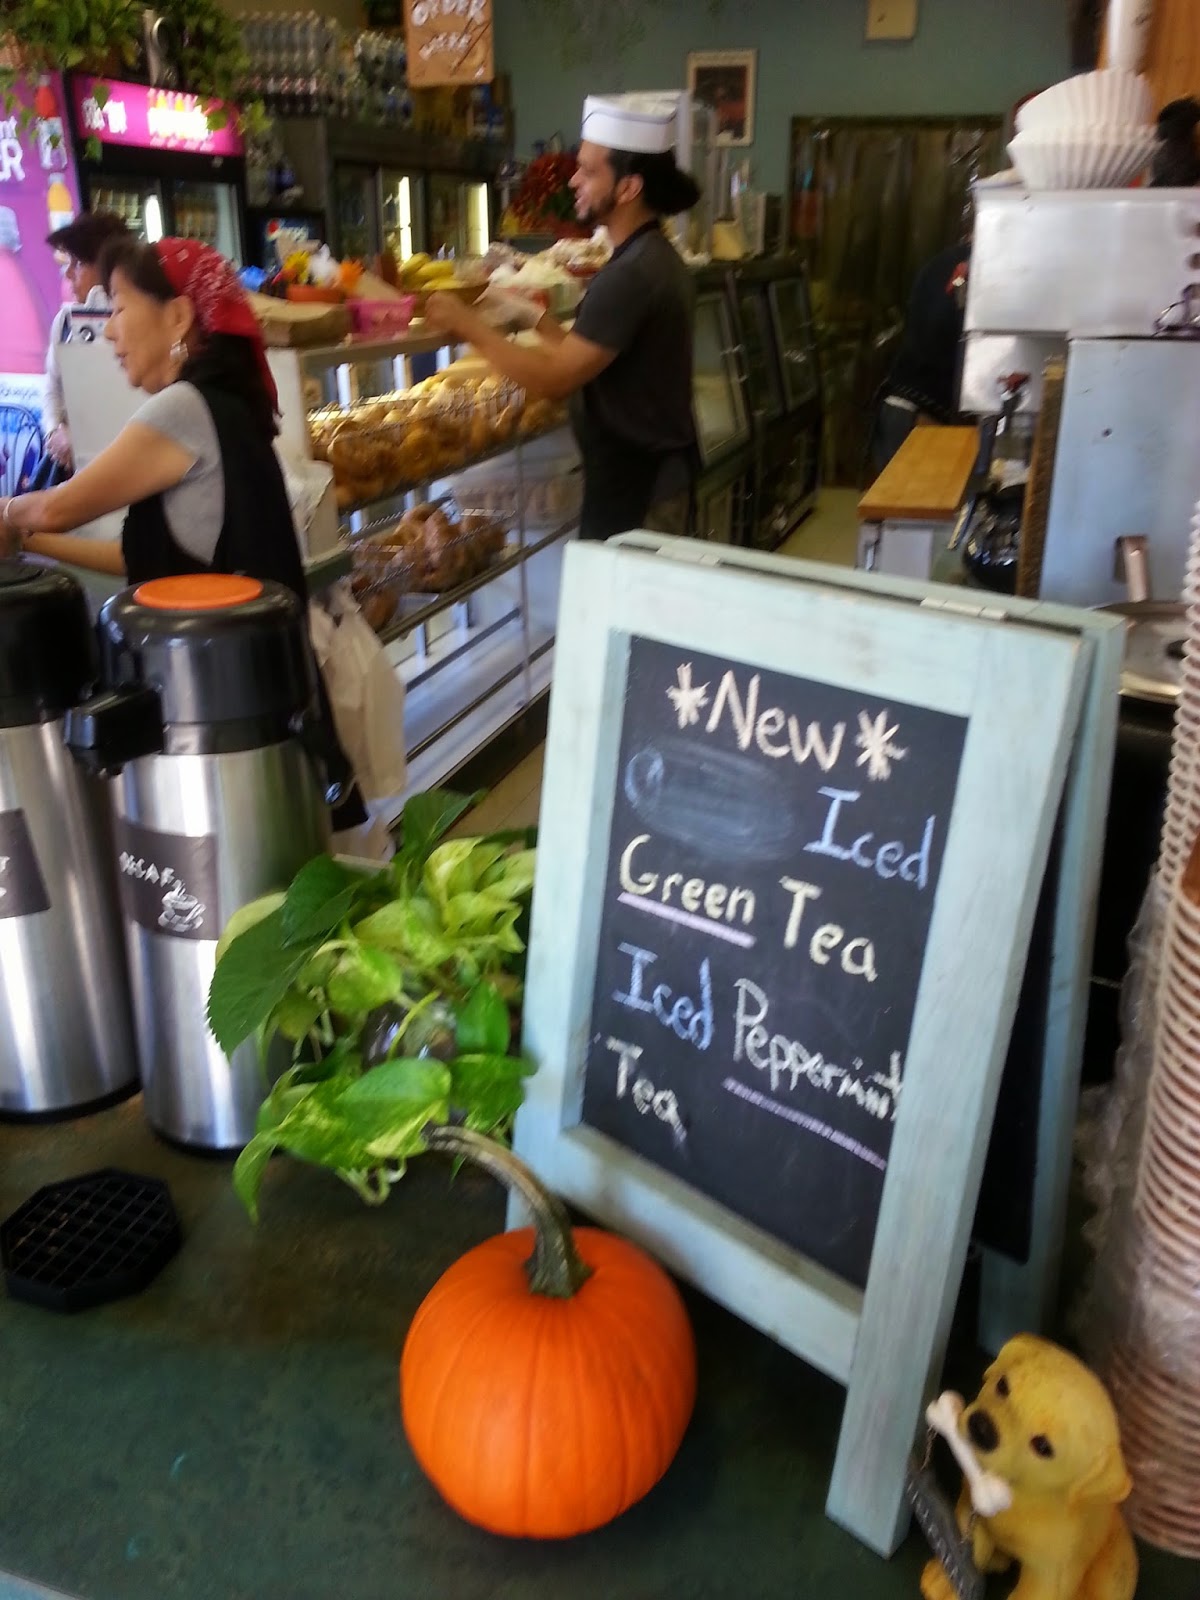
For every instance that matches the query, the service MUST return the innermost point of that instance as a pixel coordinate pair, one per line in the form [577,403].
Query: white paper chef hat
[643,123]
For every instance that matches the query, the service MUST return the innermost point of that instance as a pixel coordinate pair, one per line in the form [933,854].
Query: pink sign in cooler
[150,119]
[37,195]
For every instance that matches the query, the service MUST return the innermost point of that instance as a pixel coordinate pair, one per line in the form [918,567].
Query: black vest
[257,536]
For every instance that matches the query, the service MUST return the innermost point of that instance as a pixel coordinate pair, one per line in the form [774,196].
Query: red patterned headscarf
[211,284]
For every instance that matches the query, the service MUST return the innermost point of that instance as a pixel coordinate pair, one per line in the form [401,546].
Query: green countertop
[234,1434]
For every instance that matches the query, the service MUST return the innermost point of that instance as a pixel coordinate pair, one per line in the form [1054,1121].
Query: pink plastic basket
[381,319]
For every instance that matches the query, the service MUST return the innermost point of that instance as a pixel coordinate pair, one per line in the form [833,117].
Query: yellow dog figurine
[1044,1424]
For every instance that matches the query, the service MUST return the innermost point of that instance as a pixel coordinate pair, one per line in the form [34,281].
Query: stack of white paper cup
[1181,823]
[1155,1363]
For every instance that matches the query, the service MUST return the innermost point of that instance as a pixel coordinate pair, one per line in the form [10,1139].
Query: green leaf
[255,974]
[389,1108]
[315,1131]
[101,94]
[351,1128]
[247,917]
[488,1090]
[512,875]
[317,971]
[363,979]
[286,1093]
[473,871]
[479,914]
[321,896]
[296,1014]
[428,816]
[412,929]
[249,1169]
[445,864]
[483,1023]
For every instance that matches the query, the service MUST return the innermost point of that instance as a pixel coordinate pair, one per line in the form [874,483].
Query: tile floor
[514,802]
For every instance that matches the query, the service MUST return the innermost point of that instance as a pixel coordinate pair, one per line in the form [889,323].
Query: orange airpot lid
[202,591]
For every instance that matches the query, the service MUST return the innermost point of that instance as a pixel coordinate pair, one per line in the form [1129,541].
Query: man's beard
[596,216]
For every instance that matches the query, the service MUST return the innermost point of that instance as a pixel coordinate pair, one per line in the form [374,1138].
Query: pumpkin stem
[555,1268]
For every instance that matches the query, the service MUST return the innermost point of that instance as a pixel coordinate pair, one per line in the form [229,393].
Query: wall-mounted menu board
[449,42]
[794,828]
[773,861]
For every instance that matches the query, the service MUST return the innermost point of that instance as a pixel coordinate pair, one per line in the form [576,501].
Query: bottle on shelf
[59,208]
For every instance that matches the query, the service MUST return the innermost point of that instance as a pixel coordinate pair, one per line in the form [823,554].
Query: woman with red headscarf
[195,466]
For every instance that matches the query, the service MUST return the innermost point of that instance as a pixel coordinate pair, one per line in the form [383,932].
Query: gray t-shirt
[195,507]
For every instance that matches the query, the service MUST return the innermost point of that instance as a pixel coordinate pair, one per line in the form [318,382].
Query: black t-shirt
[926,366]
[640,305]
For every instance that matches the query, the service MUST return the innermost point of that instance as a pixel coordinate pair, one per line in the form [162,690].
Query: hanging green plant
[211,59]
[104,38]
[46,36]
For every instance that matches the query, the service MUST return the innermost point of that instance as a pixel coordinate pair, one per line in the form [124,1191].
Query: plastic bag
[365,692]
[308,483]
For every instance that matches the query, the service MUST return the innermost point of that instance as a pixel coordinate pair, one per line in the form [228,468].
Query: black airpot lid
[48,658]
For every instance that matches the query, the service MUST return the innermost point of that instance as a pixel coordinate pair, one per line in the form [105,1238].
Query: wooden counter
[925,480]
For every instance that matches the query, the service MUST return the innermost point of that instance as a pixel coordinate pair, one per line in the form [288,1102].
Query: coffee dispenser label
[169,881]
[22,887]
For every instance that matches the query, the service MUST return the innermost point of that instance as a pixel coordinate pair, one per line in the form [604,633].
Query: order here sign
[449,42]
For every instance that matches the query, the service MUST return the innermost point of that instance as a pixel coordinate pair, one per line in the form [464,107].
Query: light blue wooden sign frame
[1024,682]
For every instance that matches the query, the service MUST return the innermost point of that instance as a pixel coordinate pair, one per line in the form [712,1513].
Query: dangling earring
[179,352]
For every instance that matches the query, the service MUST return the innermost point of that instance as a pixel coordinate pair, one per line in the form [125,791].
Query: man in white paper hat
[627,363]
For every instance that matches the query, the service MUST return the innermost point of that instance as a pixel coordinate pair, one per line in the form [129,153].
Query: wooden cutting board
[925,480]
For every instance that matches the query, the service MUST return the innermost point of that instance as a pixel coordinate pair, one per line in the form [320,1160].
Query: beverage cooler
[724,491]
[38,193]
[776,332]
[160,165]
[273,232]
[389,188]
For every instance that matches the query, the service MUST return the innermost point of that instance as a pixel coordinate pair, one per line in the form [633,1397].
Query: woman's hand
[59,446]
[10,537]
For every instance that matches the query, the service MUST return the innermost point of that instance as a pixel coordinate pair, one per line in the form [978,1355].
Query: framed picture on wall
[724,80]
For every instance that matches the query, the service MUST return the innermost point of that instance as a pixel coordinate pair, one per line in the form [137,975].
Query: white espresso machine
[1102,278]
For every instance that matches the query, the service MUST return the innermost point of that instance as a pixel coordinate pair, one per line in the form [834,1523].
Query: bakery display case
[454,496]
[777,336]
[787,292]
[722,421]
[722,413]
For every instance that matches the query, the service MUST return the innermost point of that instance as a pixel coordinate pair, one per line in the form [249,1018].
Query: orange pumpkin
[543,1397]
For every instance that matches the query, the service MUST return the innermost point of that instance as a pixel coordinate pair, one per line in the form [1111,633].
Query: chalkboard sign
[795,827]
[773,863]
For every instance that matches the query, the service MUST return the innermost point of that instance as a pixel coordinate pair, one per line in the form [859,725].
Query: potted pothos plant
[543,1350]
[396,988]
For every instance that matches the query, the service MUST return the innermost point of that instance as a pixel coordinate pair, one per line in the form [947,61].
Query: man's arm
[550,329]
[552,370]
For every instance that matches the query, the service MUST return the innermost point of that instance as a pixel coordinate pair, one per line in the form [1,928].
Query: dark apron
[620,479]
[257,539]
